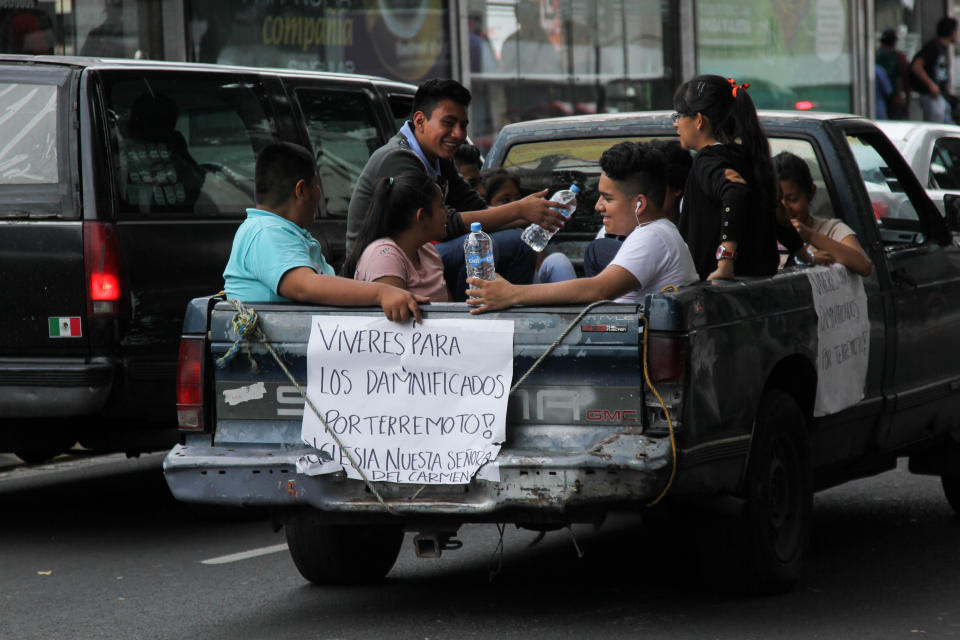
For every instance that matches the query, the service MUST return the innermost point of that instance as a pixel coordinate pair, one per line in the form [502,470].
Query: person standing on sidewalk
[930,73]
[895,63]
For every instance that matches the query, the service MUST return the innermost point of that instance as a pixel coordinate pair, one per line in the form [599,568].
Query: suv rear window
[28,134]
[186,144]
[343,131]
[400,106]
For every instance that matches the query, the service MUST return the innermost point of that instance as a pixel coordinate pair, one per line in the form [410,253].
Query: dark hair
[889,37]
[638,168]
[392,207]
[795,169]
[732,117]
[678,162]
[433,92]
[493,179]
[280,166]
[946,26]
[467,154]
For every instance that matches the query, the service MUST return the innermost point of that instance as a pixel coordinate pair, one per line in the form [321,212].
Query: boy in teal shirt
[274,258]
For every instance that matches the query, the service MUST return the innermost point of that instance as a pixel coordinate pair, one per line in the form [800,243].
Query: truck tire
[775,525]
[337,554]
[36,441]
[951,489]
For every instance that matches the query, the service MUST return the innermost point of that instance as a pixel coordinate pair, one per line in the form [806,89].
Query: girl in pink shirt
[394,246]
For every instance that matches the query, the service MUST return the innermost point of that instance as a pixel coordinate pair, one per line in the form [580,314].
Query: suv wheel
[38,440]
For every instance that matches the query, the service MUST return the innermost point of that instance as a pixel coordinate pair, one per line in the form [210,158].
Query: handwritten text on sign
[421,404]
[843,337]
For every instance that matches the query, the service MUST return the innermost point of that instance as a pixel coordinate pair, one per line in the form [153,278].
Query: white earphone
[636,211]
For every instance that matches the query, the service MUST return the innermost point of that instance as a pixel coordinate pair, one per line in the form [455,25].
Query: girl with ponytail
[728,215]
[394,247]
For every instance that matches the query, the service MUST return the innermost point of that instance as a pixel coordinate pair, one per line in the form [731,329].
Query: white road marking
[246,555]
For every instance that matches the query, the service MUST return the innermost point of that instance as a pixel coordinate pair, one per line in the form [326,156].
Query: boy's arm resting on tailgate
[303,284]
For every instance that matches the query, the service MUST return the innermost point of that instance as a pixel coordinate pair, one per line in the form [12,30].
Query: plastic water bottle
[538,237]
[478,252]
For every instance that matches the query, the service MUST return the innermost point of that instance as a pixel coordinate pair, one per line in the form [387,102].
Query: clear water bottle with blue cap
[478,252]
[538,237]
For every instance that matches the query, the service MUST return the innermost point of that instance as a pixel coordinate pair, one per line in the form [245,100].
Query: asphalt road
[95,547]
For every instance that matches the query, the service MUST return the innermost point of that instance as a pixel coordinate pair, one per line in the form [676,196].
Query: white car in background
[933,152]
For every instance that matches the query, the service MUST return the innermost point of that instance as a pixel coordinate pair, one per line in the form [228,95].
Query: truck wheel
[37,441]
[778,497]
[328,554]
[951,489]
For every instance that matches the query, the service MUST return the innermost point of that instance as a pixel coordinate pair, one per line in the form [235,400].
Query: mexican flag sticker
[68,327]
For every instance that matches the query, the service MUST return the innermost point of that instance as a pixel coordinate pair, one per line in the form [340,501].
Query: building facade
[522,59]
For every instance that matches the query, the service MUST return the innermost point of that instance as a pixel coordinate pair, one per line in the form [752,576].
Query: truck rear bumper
[53,388]
[623,469]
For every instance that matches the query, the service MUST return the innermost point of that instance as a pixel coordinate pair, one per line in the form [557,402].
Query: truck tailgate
[573,433]
[566,390]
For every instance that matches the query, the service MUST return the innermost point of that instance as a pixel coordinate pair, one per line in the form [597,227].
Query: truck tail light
[190,377]
[101,254]
[666,358]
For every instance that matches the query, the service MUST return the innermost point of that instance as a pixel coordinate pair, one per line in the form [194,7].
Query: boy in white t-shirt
[652,257]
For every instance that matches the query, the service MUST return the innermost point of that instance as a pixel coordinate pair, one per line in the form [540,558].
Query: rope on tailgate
[246,326]
[666,412]
[646,375]
[557,342]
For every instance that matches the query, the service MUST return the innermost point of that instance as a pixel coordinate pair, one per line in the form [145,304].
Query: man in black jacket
[930,73]
[427,143]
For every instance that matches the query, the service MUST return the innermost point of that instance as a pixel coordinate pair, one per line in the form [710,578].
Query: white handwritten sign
[425,404]
[843,337]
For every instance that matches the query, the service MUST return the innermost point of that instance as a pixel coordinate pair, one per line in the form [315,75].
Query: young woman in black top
[728,215]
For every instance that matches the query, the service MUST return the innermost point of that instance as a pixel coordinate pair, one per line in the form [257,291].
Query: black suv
[121,186]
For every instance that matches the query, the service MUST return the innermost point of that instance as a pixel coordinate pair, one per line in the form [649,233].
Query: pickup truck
[721,394]
[122,184]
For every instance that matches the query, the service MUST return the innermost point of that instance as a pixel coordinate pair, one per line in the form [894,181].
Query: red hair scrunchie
[737,87]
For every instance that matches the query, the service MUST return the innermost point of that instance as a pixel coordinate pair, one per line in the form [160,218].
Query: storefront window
[108,29]
[794,55]
[541,58]
[901,29]
[27,28]
[905,21]
[97,28]
[400,39]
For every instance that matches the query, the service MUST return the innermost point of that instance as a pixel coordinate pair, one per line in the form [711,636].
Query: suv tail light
[190,376]
[101,255]
[666,358]
[880,210]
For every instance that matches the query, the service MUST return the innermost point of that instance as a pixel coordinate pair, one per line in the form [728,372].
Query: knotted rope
[246,325]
